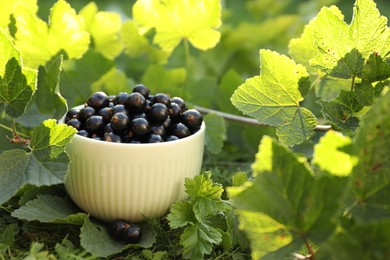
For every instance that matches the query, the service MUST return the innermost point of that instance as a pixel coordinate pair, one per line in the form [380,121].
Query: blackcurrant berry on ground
[117,228]
[162,98]
[85,112]
[75,123]
[180,130]
[142,89]
[98,100]
[135,103]
[132,234]
[193,119]
[140,126]
[158,113]
[119,122]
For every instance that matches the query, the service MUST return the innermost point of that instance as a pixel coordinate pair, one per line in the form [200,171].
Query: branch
[249,121]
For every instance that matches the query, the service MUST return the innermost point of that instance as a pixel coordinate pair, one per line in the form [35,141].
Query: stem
[309,249]
[353,83]
[187,60]
[249,121]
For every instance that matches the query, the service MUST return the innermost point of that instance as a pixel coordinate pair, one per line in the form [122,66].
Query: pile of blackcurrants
[136,117]
[123,231]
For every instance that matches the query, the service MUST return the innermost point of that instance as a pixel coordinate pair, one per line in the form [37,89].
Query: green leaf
[95,239]
[49,139]
[362,241]
[344,48]
[17,84]
[46,164]
[198,240]
[113,82]
[164,80]
[48,89]
[38,42]
[104,28]
[366,92]
[341,111]
[136,44]
[285,202]
[274,97]
[329,87]
[375,69]
[229,82]
[371,177]
[50,209]
[181,214]
[332,155]
[7,8]
[215,133]
[205,195]
[264,233]
[79,75]
[195,21]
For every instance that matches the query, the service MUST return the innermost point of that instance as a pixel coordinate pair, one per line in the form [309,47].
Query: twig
[250,121]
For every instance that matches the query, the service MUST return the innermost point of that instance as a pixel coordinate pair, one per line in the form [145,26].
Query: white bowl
[131,181]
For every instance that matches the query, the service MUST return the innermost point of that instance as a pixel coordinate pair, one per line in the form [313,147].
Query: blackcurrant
[180,102]
[75,123]
[193,119]
[83,132]
[119,122]
[117,228]
[132,234]
[180,130]
[162,98]
[153,138]
[158,113]
[85,112]
[175,112]
[98,100]
[140,126]
[142,89]
[157,130]
[94,124]
[135,103]
[111,137]
[105,113]
[170,138]
[120,98]
[108,128]
[72,113]
[120,108]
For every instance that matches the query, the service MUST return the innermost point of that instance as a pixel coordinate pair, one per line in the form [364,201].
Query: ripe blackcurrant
[180,130]
[140,126]
[111,137]
[153,138]
[94,124]
[85,112]
[162,98]
[75,123]
[119,122]
[158,113]
[192,119]
[83,132]
[170,138]
[157,130]
[120,98]
[72,113]
[175,112]
[132,234]
[142,89]
[98,100]
[180,102]
[135,103]
[118,109]
[105,113]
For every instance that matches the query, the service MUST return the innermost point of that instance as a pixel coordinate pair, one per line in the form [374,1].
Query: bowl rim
[84,139]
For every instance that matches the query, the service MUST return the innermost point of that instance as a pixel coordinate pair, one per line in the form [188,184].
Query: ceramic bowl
[131,181]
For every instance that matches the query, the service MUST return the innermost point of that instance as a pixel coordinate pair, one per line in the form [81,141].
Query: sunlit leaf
[38,41]
[274,97]
[174,21]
